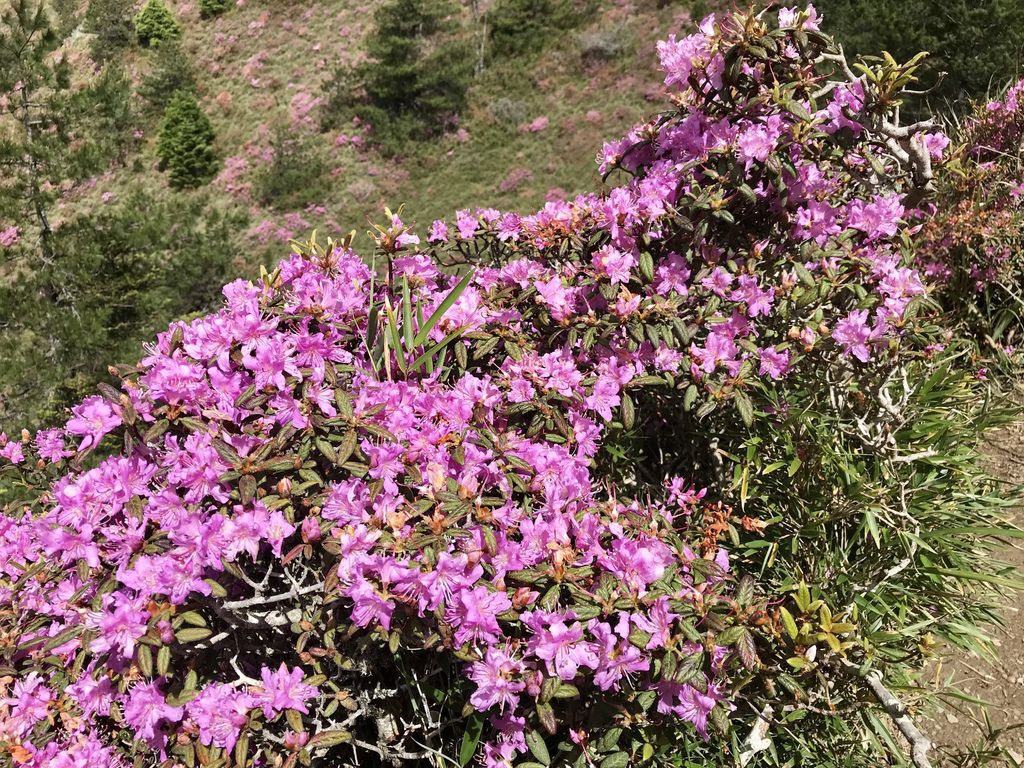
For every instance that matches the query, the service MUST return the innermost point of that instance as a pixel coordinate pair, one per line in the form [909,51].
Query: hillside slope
[531,132]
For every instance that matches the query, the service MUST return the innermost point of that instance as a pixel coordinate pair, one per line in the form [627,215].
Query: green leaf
[192,634]
[470,739]
[609,739]
[145,658]
[428,356]
[407,314]
[789,623]
[628,411]
[537,747]
[615,760]
[331,738]
[546,715]
[163,660]
[745,407]
[348,445]
[193,618]
[647,266]
[247,489]
[444,306]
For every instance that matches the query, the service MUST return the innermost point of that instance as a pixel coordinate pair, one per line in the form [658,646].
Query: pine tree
[170,71]
[60,287]
[185,144]
[110,22]
[298,174]
[121,274]
[210,8]
[155,24]
[33,81]
[416,74]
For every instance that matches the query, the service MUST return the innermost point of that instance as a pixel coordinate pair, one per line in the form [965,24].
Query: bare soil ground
[959,732]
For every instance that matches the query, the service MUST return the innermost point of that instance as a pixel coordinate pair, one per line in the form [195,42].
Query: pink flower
[774,363]
[220,711]
[9,237]
[855,335]
[559,299]
[30,702]
[879,218]
[283,689]
[614,264]
[718,282]
[604,397]
[535,126]
[145,709]
[466,224]
[560,645]
[120,624]
[473,613]
[13,452]
[498,680]
[438,232]
[679,57]
[94,418]
[618,657]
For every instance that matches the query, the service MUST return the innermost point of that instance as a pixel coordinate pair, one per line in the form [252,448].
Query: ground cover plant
[679,473]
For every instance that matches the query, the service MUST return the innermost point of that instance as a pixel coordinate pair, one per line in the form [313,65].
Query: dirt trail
[960,727]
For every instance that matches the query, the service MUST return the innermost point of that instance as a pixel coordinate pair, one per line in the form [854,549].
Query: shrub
[155,24]
[185,144]
[170,71]
[972,245]
[110,21]
[520,27]
[601,47]
[297,174]
[210,8]
[659,464]
[510,112]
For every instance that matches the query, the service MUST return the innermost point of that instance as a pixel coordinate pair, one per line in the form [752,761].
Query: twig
[756,741]
[897,710]
[915,456]
[261,600]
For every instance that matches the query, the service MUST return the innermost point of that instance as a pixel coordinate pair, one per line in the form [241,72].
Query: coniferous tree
[520,27]
[60,134]
[210,8]
[121,274]
[155,24]
[32,80]
[76,290]
[110,22]
[297,175]
[185,144]
[171,71]
[415,76]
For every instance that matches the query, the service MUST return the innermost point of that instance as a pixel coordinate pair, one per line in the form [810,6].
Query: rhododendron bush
[971,246]
[673,472]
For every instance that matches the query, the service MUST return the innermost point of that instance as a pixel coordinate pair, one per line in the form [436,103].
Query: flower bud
[284,486]
[166,632]
[295,741]
[310,529]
